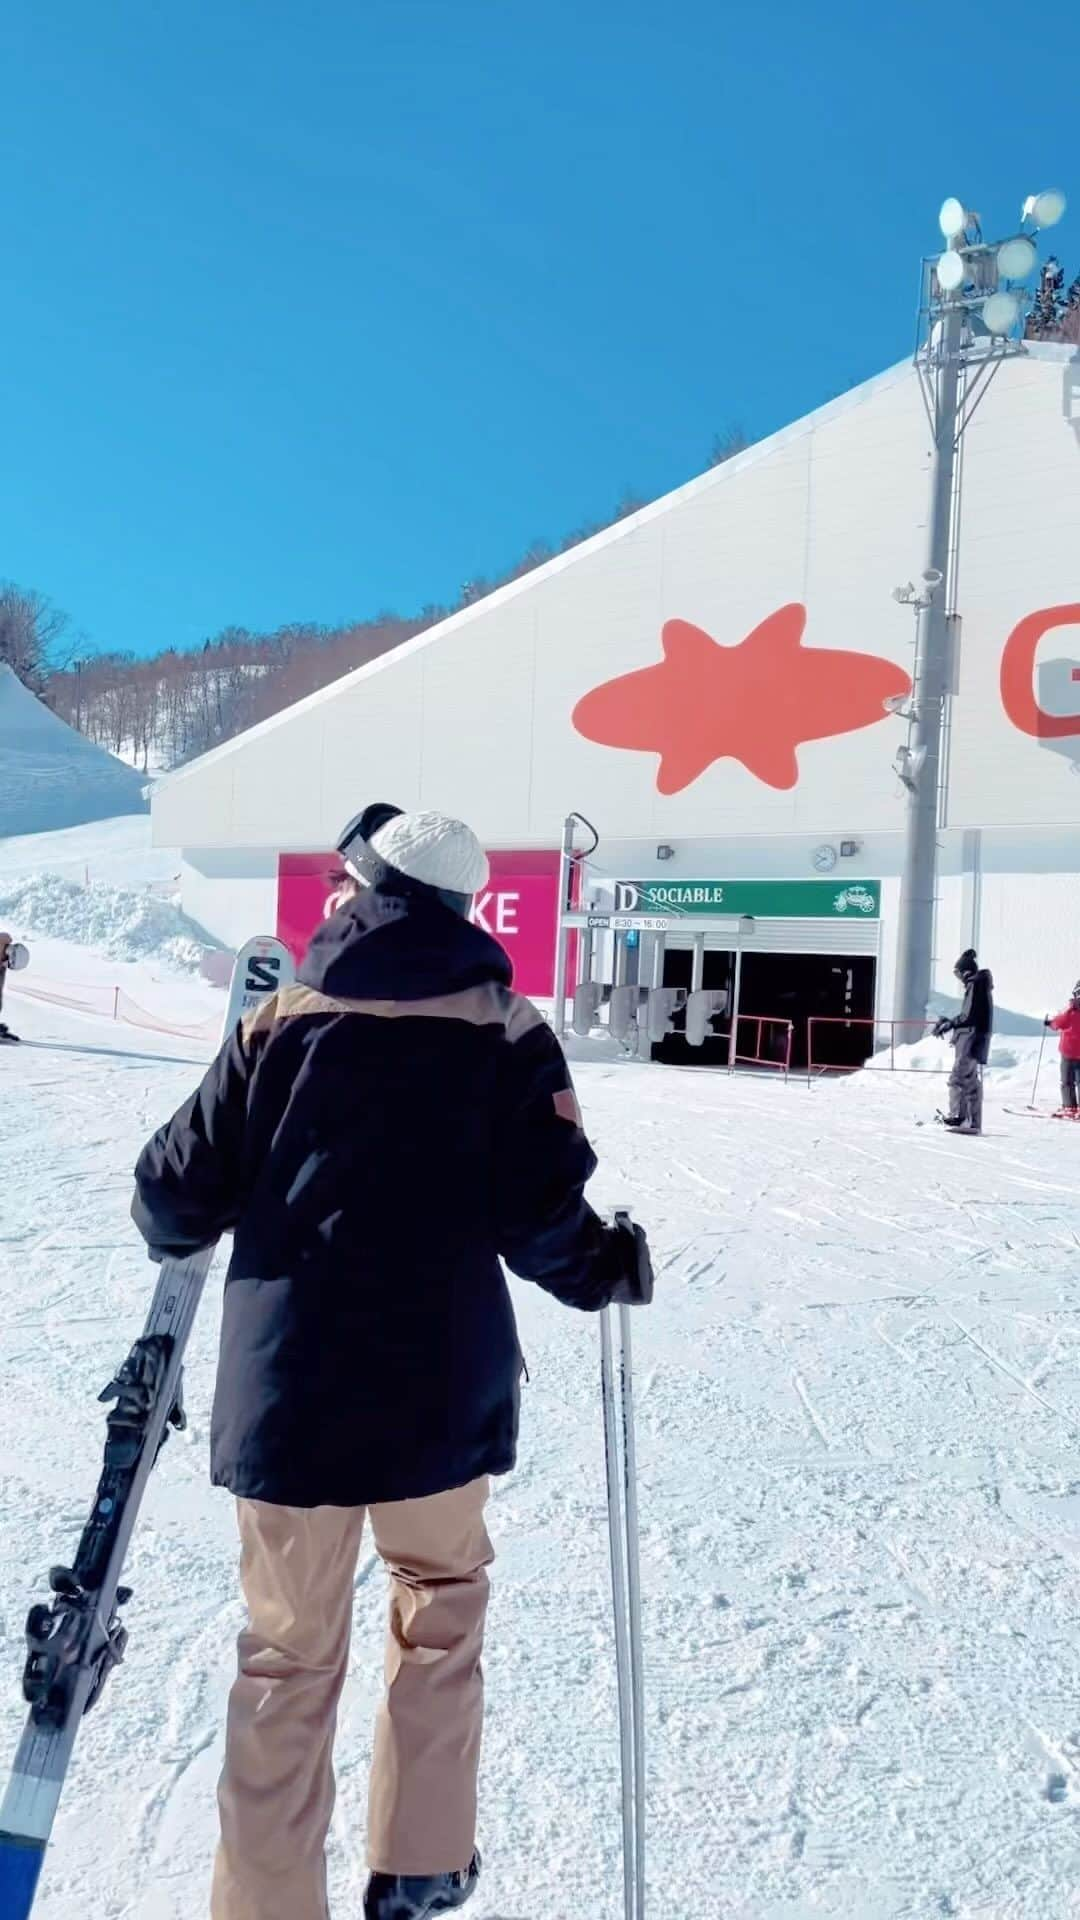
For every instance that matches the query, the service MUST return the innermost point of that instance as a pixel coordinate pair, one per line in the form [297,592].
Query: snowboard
[937,1119]
[76,1638]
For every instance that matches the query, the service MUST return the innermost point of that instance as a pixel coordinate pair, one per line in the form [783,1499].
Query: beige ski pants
[276,1795]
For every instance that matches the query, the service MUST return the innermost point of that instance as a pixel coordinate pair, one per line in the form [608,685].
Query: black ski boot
[412,1896]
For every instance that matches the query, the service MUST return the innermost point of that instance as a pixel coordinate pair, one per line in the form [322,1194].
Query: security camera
[904,595]
[897,703]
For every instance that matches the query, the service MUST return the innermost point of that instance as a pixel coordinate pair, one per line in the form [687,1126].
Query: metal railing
[777,1054]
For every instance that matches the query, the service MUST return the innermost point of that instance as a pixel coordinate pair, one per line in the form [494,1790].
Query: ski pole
[618,1595]
[624,1547]
[633,1587]
[1038,1068]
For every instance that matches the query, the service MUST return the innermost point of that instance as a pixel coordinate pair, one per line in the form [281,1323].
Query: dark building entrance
[796,986]
[832,987]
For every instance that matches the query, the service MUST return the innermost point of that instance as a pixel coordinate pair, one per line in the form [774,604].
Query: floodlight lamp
[904,595]
[1015,258]
[1045,209]
[951,271]
[1001,312]
[897,703]
[952,219]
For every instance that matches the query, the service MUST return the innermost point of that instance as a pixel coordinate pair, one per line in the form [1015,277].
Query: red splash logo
[1018,675]
[756,702]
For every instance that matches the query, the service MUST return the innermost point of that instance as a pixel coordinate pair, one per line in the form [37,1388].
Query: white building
[741,758]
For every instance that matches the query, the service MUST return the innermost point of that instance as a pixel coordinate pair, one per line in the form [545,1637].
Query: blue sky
[315,310]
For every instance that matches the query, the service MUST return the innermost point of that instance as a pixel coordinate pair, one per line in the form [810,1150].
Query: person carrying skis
[1067,1024]
[971,1030]
[376,1137]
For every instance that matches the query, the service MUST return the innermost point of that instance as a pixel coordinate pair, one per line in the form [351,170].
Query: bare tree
[31,629]
[726,445]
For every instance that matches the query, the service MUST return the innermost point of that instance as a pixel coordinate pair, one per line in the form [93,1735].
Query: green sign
[758,899]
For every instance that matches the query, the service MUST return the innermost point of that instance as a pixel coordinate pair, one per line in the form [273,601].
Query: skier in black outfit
[376,1137]
[971,1031]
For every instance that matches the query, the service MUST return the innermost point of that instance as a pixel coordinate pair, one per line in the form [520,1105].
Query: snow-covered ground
[859,1437]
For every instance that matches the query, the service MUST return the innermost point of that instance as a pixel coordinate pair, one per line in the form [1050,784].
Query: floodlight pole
[918,885]
[956,360]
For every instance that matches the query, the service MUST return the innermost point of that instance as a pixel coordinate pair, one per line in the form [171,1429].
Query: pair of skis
[1044,1113]
[76,1639]
[620,1457]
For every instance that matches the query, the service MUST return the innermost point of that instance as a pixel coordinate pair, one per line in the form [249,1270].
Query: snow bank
[112,920]
[1010,1070]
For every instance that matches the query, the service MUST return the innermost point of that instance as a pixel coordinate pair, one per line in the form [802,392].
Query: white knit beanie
[434,850]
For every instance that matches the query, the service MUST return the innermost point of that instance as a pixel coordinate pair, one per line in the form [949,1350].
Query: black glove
[942,1028]
[629,1251]
[1048,1022]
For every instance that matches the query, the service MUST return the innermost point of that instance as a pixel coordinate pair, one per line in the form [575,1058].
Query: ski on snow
[1041,1113]
[77,1638]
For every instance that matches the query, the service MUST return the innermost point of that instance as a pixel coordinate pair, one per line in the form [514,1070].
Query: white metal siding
[841,935]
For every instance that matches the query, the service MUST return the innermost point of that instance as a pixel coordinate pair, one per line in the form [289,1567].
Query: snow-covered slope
[859,1443]
[49,775]
[115,850]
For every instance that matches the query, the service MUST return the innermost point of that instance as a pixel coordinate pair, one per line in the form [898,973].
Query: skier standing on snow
[376,1136]
[6,944]
[971,1029]
[1067,1024]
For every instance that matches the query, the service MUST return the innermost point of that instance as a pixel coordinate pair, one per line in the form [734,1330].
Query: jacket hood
[385,945]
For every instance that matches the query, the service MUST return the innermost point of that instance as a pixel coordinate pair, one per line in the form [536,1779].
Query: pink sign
[517,908]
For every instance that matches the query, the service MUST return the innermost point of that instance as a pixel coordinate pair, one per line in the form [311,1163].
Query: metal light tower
[971,314]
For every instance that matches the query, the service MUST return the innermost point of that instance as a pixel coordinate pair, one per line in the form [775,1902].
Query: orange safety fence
[773,1051]
[112,1003]
[129,1011]
[882,1037]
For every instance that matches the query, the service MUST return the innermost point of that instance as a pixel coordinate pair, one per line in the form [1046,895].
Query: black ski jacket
[376,1137]
[976,1015]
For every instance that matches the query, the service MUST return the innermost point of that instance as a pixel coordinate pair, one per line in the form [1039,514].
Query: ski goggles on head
[362,863]
[356,854]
